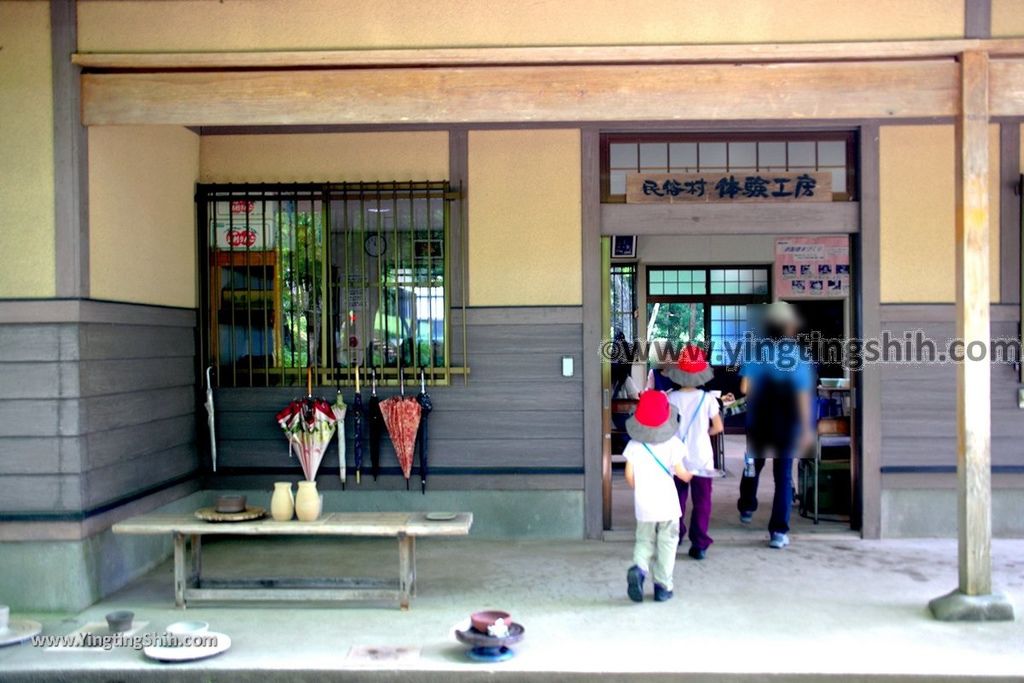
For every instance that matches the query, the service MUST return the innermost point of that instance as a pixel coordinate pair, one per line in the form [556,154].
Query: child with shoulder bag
[654,458]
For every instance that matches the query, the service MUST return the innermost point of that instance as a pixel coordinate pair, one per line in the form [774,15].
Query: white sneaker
[779,541]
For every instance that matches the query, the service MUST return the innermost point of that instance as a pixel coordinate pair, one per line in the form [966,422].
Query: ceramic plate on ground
[188,654]
[211,515]
[441,516]
[19,630]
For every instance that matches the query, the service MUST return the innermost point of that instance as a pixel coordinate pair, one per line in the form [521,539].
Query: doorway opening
[665,298]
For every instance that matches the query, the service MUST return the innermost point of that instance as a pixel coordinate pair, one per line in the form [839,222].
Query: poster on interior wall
[812,267]
[768,187]
[245,225]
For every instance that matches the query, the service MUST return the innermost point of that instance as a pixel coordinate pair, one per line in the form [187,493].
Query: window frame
[708,299]
[848,136]
[326,368]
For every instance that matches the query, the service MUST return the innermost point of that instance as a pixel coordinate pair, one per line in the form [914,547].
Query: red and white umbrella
[309,425]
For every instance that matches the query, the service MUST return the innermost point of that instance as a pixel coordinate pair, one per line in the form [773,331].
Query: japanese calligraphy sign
[764,186]
[812,267]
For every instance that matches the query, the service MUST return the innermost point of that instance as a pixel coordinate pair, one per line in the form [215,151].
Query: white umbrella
[209,418]
[339,409]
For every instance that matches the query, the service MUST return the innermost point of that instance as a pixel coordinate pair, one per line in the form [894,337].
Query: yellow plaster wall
[142,242]
[323,157]
[524,218]
[917,214]
[1007,18]
[26,151]
[172,25]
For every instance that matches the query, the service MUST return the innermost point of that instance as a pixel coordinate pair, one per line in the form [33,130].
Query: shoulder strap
[660,463]
[696,411]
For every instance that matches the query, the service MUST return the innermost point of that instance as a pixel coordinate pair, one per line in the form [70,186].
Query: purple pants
[700,516]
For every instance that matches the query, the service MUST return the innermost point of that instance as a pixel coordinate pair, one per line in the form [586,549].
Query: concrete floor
[725,524]
[821,608]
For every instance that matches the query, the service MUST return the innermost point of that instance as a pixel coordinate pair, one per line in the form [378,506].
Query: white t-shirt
[654,493]
[693,429]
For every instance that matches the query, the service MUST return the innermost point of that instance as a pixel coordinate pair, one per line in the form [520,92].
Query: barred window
[327,276]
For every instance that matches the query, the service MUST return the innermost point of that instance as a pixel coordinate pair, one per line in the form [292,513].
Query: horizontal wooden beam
[710,92]
[1006,87]
[717,219]
[603,54]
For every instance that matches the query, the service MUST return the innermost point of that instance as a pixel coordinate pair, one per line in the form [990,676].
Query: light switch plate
[567,366]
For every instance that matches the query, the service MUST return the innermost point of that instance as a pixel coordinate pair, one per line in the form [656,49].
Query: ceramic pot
[282,503]
[307,502]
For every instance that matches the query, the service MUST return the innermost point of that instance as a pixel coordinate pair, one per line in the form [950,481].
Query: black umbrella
[426,405]
[357,430]
[375,418]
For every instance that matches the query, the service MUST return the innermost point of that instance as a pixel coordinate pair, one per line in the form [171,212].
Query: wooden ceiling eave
[895,80]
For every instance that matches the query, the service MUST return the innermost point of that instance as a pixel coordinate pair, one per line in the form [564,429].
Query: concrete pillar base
[957,606]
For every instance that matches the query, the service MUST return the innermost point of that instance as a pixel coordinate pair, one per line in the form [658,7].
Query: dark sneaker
[746,517]
[661,594]
[635,584]
[697,553]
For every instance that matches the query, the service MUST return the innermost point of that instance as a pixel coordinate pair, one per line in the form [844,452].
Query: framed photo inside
[623,246]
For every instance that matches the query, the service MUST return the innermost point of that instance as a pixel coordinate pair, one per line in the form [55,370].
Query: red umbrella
[402,418]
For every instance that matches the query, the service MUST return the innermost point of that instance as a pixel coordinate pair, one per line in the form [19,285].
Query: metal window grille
[328,277]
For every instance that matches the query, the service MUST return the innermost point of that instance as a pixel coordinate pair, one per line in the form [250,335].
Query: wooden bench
[405,526]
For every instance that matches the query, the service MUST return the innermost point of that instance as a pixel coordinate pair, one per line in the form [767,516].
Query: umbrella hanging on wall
[210,420]
[376,422]
[309,425]
[402,417]
[339,409]
[357,430]
[426,405]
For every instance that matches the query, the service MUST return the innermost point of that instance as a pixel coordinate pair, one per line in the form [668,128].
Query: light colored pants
[657,541]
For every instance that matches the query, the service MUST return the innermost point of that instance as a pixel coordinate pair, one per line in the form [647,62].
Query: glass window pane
[623,155]
[712,155]
[832,153]
[617,182]
[698,287]
[654,156]
[839,180]
[717,275]
[657,288]
[742,155]
[656,275]
[801,154]
[771,155]
[683,155]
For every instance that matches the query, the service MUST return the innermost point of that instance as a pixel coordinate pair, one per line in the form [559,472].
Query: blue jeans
[782,503]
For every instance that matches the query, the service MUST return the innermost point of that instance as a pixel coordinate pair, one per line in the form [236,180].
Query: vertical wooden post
[974,599]
[972,324]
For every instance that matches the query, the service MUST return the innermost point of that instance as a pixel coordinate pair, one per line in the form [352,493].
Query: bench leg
[197,559]
[406,569]
[179,569]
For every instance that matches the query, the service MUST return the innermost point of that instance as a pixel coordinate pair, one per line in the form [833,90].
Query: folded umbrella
[210,420]
[376,423]
[339,409]
[426,405]
[402,417]
[357,431]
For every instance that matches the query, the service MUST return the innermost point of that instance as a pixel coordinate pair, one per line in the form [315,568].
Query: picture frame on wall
[623,246]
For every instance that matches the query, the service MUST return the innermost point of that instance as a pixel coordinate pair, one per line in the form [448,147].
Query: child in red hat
[654,458]
[700,420]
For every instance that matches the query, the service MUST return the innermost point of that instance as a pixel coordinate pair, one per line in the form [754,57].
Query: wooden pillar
[974,443]
[974,599]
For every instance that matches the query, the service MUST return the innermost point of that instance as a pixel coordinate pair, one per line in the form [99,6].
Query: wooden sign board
[766,186]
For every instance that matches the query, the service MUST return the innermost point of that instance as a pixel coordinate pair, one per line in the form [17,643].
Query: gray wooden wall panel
[517,411]
[95,407]
[918,400]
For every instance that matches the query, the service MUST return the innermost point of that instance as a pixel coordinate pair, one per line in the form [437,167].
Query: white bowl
[188,628]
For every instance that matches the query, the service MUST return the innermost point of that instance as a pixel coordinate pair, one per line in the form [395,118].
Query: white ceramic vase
[307,502]
[282,503]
